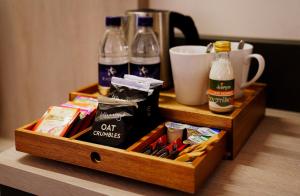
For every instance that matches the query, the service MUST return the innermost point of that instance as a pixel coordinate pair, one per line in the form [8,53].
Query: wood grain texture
[48,48]
[88,91]
[247,120]
[148,139]
[249,111]
[143,4]
[113,160]
[268,164]
[210,162]
[196,115]
[151,169]
[201,115]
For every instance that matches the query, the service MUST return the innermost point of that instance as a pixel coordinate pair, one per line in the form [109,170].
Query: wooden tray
[236,128]
[128,162]
[249,110]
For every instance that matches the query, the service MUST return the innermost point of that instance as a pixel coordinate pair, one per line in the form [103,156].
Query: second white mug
[191,65]
[240,61]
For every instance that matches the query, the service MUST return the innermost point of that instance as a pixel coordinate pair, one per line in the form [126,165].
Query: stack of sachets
[129,112]
[69,118]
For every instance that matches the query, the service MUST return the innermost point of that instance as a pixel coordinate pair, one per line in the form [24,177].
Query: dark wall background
[282,71]
[281,74]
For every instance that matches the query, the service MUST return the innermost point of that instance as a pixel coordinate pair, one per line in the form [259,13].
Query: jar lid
[222,46]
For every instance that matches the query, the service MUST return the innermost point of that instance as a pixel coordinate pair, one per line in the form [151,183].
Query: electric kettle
[164,24]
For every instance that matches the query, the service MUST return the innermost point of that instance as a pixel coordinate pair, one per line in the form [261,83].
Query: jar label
[106,72]
[221,92]
[145,70]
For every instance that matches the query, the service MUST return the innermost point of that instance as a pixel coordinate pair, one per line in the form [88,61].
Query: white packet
[153,82]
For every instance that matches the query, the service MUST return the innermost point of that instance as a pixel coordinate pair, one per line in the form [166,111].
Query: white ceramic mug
[191,66]
[190,69]
[240,61]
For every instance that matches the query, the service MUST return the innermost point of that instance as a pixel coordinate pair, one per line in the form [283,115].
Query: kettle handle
[186,25]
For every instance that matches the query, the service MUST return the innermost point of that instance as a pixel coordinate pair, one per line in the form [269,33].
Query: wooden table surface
[269,164]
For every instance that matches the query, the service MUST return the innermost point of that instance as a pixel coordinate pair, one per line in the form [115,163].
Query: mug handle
[261,67]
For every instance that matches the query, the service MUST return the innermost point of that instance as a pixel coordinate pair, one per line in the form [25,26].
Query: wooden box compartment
[249,110]
[128,162]
[236,128]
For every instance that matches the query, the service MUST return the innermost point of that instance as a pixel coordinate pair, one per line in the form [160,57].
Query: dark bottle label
[106,72]
[221,92]
[145,70]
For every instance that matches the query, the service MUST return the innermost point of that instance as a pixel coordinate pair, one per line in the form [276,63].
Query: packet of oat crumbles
[114,123]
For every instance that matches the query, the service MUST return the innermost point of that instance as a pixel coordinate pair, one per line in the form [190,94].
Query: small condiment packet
[195,139]
[154,147]
[84,108]
[88,100]
[57,120]
[175,130]
[197,135]
[191,130]
[87,114]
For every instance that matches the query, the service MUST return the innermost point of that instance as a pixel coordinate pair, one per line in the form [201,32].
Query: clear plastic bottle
[113,54]
[221,80]
[144,59]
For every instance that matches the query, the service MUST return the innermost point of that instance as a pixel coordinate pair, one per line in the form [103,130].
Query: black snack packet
[145,95]
[114,123]
[130,111]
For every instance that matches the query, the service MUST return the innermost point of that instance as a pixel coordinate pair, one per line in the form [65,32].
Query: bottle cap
[113,21]
[222,46]
[145,21]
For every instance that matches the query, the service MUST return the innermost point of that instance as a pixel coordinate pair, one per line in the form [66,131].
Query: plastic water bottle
[144,58]
[113,54]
